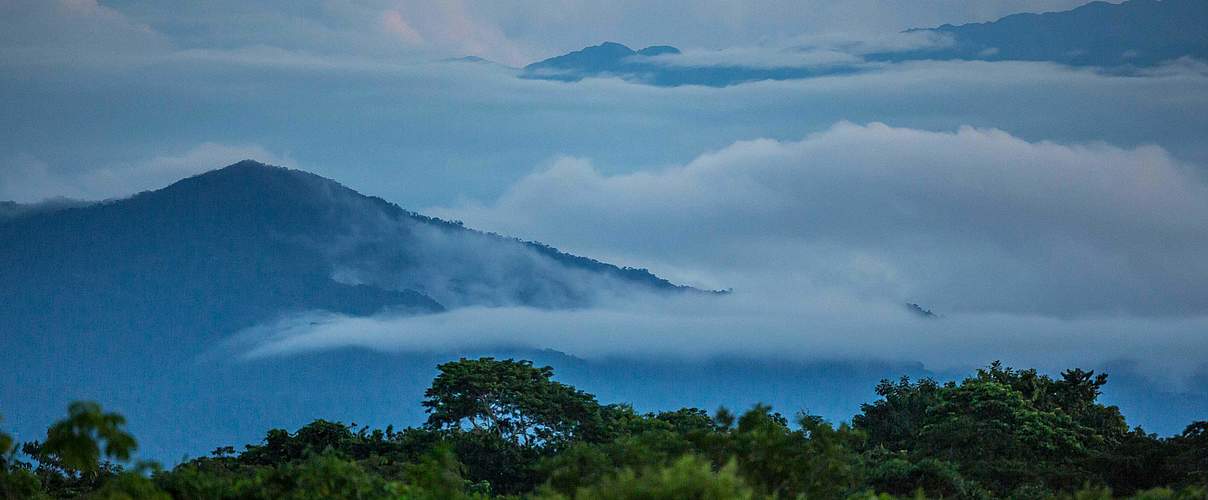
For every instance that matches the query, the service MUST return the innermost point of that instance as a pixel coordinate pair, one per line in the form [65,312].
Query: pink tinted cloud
[394,23]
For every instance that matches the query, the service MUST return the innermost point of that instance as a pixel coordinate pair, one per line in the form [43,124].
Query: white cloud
[77,32]
[514,32]
[27,179]
[754,57]
[816,50]
[759,326]
[393,22]
[974,220]
[1036,253]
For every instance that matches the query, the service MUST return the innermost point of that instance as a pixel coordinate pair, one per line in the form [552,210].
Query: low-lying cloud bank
[1036,253]
[815,328]
[973,221]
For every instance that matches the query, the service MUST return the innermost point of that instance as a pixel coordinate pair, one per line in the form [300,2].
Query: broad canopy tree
[513,400]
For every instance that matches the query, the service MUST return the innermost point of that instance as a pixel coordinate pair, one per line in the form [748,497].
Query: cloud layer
[1036,253]
[1022,226]
[974,220]
[749,326]
[27,179]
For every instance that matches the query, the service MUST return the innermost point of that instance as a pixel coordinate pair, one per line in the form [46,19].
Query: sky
[1060,214]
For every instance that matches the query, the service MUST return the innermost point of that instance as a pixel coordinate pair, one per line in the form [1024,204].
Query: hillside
[1133,33]
[232,247]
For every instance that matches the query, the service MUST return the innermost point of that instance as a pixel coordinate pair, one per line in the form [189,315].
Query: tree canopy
[500,428]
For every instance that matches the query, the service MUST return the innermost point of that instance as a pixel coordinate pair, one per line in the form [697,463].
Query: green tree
[894,421]
[75,443]
[995,437]
[1189,460]
[814,461]
[319,477]
[689,478]
[16,480]
[511,399]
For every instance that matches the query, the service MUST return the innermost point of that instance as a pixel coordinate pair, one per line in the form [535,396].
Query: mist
[748,327]
[1037,253]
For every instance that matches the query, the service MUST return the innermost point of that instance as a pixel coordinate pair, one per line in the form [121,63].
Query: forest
[507,429]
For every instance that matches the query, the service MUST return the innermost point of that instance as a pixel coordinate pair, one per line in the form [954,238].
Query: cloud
[717,24]
[1036,253]
[753,57]
[517,32]
[425,133]
[817,50]
[26,179]
[393,22]
[460,28]
[975,220]
[78,32]
[813,328]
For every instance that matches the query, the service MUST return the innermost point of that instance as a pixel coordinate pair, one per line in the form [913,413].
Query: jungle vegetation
[506,428]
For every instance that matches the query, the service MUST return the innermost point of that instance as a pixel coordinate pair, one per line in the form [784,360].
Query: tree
[75,442]
[687,478]
[316,437]
[16,481]
[894,421]
[320,476]
[1004,429]
[814,461]
[511,399]
[995,437]
[1190,461]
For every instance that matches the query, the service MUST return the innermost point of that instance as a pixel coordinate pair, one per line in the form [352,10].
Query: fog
[1037,253]
[971,220]
[824,328]
[1018,200]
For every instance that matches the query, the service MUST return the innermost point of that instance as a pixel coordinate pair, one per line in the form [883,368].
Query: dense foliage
[506,428]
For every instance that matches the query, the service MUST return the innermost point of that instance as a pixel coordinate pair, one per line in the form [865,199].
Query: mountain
[1133,33]
[131,302]
[118,300]
[233,247]
[608,58]
[652,66]
[168,273]
[12,209]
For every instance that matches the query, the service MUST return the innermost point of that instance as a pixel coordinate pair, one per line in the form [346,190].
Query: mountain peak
[248,242]
[248,168]
[609,46]
[606,54]
[656,50]
[252,181]
[605,58]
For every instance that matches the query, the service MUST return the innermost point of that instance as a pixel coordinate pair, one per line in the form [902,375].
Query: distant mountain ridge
[12,209]
[614,59]
[1133,33]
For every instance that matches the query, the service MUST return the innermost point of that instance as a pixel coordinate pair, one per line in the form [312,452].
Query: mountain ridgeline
[1120,37]
[230,248]
[137,300]
[1135,33]
[651,66]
